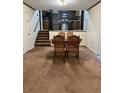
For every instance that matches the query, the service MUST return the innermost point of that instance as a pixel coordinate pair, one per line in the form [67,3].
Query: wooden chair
[59,47]
[69,34]
[73,46]
[62,34]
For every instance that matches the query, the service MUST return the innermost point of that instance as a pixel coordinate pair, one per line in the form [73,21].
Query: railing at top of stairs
[36,26]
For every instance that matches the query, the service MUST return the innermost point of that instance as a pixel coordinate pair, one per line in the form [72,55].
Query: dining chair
[73,47]
[59,47]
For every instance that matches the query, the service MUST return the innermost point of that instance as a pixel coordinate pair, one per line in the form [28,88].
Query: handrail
[36,26]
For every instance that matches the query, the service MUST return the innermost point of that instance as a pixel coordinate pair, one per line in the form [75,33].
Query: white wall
[85,24]
[94,29]
[78,33]
[29,20]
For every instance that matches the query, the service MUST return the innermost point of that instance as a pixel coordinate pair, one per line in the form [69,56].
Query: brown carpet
[41,75]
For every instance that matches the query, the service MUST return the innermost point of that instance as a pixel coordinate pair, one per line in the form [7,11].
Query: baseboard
[97,55]
[91,49]
[29,50]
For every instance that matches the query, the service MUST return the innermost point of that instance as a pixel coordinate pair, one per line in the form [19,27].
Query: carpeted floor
[41,75]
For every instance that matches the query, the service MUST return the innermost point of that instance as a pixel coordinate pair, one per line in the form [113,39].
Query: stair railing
[36,25]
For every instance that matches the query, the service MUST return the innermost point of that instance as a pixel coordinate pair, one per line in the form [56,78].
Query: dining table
[66,41]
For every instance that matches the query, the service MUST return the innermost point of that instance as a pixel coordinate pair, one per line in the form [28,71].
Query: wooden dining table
[66,41]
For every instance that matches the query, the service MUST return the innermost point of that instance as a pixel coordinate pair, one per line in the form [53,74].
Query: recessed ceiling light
[62,2]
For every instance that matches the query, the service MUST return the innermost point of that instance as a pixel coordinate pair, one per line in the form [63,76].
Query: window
[65,20]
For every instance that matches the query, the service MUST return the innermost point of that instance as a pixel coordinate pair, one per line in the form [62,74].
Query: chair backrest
[59,44]
[74,41]
[62,34]
[69,34]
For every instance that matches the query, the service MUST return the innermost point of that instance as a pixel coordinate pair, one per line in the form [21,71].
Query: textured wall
[30,17]
[94,29]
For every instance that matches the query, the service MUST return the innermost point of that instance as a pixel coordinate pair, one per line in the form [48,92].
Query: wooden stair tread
[42,39]
[42,43]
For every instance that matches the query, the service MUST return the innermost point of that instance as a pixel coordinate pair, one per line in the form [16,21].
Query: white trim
[28,50]
[91,49]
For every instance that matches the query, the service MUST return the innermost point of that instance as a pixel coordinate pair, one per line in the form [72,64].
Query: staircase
[42,39]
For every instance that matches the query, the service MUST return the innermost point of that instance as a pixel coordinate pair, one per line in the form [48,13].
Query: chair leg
[68,56]
[78,59]
[54,59]
[64,59]
[77,56]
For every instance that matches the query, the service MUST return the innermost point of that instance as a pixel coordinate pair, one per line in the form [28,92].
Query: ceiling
[55,4]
